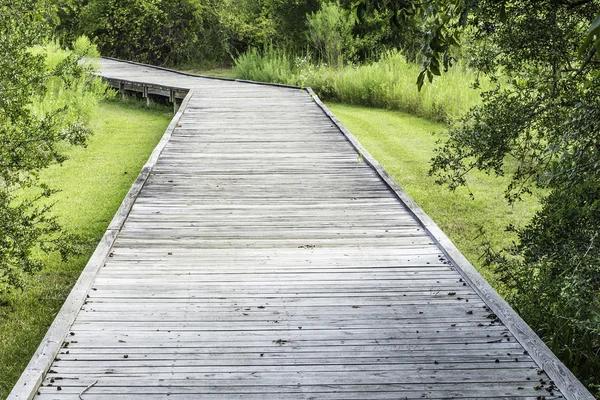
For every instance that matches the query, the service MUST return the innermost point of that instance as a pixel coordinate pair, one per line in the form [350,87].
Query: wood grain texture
[263,254]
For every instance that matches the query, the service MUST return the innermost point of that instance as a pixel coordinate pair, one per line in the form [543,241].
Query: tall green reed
[387,83]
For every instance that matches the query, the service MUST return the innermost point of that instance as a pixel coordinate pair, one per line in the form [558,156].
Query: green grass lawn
[404,145]
[217,72]
[93,183]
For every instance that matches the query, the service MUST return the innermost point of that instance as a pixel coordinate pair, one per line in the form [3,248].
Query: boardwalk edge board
[29,382]
[564,379]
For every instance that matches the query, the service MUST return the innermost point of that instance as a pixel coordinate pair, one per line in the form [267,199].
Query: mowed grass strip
[93,182]
[404,145]
[217,72]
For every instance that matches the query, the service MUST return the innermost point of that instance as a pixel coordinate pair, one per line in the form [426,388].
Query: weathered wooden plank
[306,378]
[65,368]
[192,296]
[275,325]
[243,352]
[285,391]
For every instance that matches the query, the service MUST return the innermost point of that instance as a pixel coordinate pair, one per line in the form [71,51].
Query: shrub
[125,29]
[554,274]
[259,23]
[150,31]
[48,95]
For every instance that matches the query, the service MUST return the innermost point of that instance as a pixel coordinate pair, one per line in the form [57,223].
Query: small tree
[330,31]
[127,29]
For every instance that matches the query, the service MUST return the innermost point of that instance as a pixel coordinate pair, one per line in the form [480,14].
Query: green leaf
[436,44]
[593,35]
[395,22]
[452,40]
[420,79]
[360,12]
[503,13]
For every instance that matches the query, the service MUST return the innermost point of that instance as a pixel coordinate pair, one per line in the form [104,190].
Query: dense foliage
[172,32]
[156,31]
[176,32]
[46,96]
[541,126]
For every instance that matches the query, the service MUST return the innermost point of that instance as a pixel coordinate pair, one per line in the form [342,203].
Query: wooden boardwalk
[262,254]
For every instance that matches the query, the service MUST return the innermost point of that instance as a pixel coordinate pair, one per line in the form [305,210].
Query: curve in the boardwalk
[262,253]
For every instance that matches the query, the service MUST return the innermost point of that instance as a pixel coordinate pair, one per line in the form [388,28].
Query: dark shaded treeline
[204,32]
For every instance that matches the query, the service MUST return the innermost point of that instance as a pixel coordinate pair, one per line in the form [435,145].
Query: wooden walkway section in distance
[260,255]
